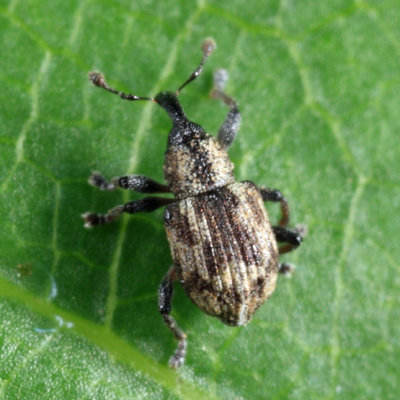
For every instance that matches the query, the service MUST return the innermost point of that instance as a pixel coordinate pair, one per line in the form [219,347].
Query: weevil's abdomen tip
[209,46]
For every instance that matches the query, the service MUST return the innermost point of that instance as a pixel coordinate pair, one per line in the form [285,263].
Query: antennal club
[98,80]
[208,47]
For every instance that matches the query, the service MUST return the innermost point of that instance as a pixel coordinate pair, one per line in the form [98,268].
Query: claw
[96,179]
[286,269]
[91,219]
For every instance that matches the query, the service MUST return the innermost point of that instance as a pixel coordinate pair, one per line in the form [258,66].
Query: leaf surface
[318,86]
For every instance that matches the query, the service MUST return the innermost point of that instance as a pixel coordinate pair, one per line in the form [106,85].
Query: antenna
[208,47]
[98,80]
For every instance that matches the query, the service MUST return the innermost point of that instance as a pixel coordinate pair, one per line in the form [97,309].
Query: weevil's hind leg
[292,238]
[286,269]
[228,131]
[275,195]
[138,183]
[147,204]
[164,305]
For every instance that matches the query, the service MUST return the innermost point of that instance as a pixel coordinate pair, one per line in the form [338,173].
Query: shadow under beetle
[224,250]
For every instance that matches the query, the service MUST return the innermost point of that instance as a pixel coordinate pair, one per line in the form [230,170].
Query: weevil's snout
[170,103]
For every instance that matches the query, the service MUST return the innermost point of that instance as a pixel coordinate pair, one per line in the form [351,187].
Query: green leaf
[318,85]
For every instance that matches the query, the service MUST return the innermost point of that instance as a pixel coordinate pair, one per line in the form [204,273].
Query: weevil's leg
[275,195]
[291,237]
[286,269]
[97,180]
[165,291]
[98,80]
[228,131]
[147,204]
[139,183]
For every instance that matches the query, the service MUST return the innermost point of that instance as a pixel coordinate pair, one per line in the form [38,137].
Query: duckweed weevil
[224,250]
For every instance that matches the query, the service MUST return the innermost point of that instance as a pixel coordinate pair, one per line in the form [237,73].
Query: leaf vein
[33,116]
[345,247]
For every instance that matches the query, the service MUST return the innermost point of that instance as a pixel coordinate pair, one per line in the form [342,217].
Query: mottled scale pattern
[197,166]
[224,251]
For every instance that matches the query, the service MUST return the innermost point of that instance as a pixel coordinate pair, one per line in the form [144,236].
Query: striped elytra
[224,251]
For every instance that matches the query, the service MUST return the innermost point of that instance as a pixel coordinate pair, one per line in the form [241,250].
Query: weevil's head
[170,103]
[194,161]
[182,130]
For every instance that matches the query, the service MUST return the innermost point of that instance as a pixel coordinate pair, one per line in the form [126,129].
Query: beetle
[224,249]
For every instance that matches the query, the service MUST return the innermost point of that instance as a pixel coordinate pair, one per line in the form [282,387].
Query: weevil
[224,249]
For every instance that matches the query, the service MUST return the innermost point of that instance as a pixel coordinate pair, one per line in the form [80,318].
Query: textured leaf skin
[318,87]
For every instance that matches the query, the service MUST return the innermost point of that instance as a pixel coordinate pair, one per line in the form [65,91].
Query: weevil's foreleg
[275,196]
[147,204]
[292,238]
[138,183]
[165,291]
[228,131]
